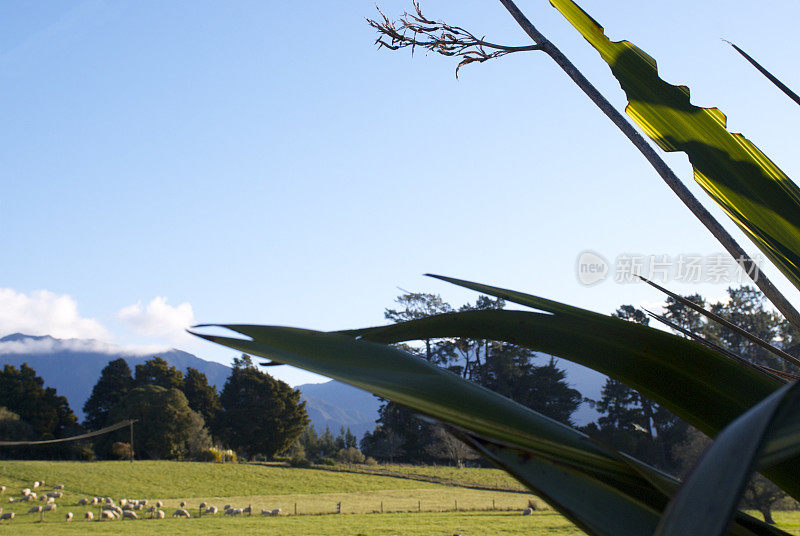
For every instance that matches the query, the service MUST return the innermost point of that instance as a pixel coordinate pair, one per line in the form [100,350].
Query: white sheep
[34,509]
[83,502]
[60,486]
[13,500]
[36,484]
[50,507]
[159,514]
[29,497]
[107,514]
[50,500]
[127,514]
[276,512]
[203,505]
[143,502]
[528,511]
[2,489]
[266,512]
[68,517]
[211,510]
[26,491]
[180,512]
[55,494]
[123,502]
[88,516]
[7,515]
[159,504]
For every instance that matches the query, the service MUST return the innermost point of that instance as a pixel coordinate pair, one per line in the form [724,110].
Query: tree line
[179,415]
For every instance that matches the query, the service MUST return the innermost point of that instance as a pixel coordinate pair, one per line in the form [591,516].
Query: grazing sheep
[123,502]
[276,512]
[50,500]
[36,484]
[2,489]
[83,502]
[180,512]
[88,516]
[266,512]
[13,500]
[68,517]
[95,501]
[26,491]
[159,514]
[7,515]
[107,514]
[55,494]
[203,505]
[234,511]
[34,509]
[138,506]
[29,497]
[528,511]
[60,486]
[127,514]
[159,504]
[50,507]
[143,502]
[211,510]
[227,507]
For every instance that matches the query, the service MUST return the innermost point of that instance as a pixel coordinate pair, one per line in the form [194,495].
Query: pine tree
[260,415]
[114,383]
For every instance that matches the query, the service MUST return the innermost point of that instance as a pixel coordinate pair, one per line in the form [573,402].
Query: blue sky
[167,162]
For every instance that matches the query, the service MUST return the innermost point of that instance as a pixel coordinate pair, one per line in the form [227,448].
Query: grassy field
[313,491]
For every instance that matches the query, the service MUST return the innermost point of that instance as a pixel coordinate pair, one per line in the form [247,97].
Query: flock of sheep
[109,510]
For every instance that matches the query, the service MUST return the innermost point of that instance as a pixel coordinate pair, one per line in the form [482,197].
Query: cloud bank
[46,313]
[159,319]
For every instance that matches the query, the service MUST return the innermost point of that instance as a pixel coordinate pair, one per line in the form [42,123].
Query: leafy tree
[167,427]
[630,421]
[202,397]
[114,383]
[157,371]
[12,428]
[260,415]
[49,416]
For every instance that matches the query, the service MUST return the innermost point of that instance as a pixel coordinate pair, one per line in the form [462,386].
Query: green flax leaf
[707,500]
[752,190]
[556,459]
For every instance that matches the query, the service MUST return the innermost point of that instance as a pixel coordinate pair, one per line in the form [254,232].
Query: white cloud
[159,319]
[46,313]
[45,346]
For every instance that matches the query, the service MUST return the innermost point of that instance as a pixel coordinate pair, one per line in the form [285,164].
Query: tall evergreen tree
[114,383]
[202,397]
[47,414]
[260,415]
[157,371]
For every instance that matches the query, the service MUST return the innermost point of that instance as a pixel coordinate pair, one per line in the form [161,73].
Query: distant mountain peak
[20,337]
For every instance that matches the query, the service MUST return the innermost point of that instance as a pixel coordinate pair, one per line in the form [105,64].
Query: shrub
[216,454]
[326,461]
[120,450]
[299,461]
[350,455]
